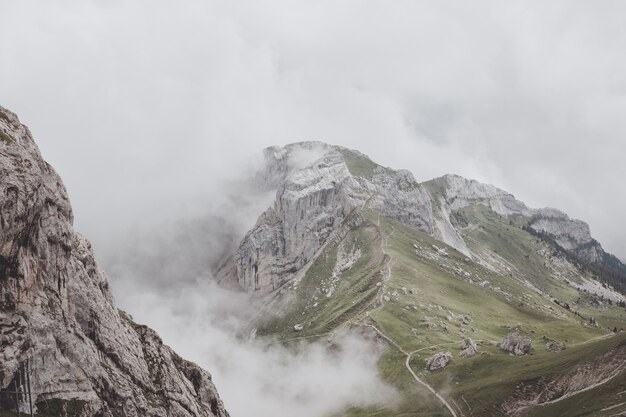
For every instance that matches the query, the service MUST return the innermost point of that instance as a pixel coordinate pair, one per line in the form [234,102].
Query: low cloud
[161,275]
[202,322]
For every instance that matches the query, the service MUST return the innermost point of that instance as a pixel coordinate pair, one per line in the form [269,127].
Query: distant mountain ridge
[318,185]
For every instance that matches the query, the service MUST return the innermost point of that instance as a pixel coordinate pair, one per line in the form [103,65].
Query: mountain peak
[282,160]
[319,185]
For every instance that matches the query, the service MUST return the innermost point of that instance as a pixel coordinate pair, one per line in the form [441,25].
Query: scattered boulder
[440,251]
[516,344]
[298,327]
[553,345]
[438,361]
[468,348]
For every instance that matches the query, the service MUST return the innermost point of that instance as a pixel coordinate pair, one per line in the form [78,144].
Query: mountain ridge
[354,179]
[460,280]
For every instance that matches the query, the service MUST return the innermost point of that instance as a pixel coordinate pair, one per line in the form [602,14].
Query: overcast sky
[141,104]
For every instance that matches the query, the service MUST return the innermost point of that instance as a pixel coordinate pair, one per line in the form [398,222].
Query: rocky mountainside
[452,192]
[312,202]
[60,333]
[460,279]
[319,185]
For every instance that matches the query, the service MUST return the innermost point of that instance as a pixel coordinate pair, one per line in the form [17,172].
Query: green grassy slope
[426,297]
[321,303]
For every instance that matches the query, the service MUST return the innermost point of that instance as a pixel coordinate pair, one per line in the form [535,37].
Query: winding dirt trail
[407,364]
[610,377]
[409,355]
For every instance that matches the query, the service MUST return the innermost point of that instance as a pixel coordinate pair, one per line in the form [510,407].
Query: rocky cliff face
[318,185]
[311,203]
[452,192]
[570,234]
[58,323]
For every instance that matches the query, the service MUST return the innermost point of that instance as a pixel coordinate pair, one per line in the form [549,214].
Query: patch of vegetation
[360,165]
[610,270]
[150,399]
[350,291]
[437,188]
[486,380]
[64,408]
[4,137]
[127,318]
[4,117]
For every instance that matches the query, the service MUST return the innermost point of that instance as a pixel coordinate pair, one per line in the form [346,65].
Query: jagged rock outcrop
[516,344]
[570,234]
[553,345]
[452,192]
[438,361]
[468,348]
[458,192]
[311,203]
[57,313]
[280,161]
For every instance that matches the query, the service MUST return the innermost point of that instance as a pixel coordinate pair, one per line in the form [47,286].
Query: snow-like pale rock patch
[595,287]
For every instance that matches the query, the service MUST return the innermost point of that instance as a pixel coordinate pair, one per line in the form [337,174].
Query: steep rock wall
[57,313]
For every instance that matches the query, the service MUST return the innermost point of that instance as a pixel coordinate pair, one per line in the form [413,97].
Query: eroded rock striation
[57,315]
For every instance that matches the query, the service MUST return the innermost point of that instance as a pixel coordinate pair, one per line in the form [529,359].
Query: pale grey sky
[140,103]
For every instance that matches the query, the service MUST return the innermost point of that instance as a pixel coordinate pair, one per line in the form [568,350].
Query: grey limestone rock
[570,234]
[516,344]
[452,192]
[438,361]
[319,186]
[312,202]
[57,311]
[468,348]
